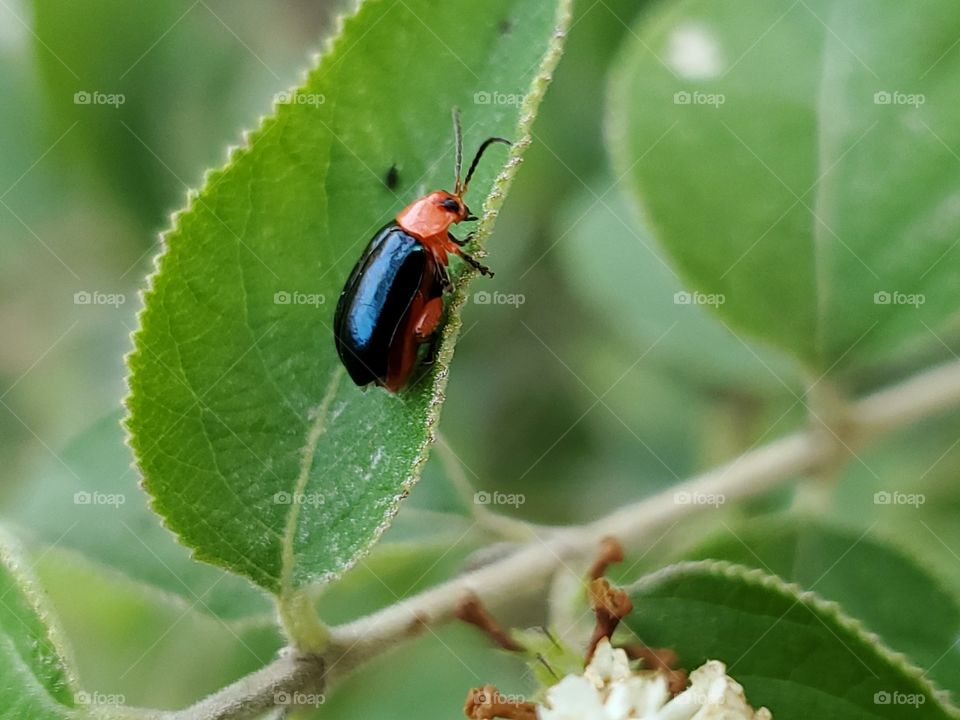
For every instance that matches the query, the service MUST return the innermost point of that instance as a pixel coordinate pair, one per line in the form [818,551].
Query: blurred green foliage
[700,111]
[567,398]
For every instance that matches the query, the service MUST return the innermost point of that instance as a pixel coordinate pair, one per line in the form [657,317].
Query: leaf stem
[829,414]
[299,618]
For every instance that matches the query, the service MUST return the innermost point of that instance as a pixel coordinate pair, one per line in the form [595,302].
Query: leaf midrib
[316,431]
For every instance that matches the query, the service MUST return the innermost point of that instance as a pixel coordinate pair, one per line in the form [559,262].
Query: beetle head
[452,205]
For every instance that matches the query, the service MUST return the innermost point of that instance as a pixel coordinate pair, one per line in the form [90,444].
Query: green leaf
[150,648]
[871,581]
[776,176]
[616,268]
[794,653]
[237,399]
[34,679]
[89,501]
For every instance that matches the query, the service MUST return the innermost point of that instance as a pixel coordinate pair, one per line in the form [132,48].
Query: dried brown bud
[470,609]
[610,605]
[611,552]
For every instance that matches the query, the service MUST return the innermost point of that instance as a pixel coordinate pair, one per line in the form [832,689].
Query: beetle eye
[451,205]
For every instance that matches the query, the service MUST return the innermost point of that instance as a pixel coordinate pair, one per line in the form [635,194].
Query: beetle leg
[424,331]
[474,263]
[431,357]
[443,277]
[466,241]
[429,319]
[455,248]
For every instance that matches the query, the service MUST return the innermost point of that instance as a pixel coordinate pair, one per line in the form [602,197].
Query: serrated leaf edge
[249,139]
[827,608]
[491,209]
[11,557]
[157,595]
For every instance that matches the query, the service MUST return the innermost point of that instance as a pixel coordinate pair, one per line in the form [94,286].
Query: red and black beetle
[393,300]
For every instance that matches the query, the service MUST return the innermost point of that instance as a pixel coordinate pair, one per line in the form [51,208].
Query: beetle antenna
[458,142]
[473,166]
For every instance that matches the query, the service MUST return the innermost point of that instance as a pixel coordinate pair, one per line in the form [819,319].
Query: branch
[289,679]
[531,566]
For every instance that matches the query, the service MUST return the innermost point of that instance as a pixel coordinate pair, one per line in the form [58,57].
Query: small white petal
[683,707]
[573,698]
[723,697]
[609,690]
[638,697]
[607,665]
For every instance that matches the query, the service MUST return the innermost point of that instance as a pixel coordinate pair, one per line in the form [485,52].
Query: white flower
[610,690]
[608,665]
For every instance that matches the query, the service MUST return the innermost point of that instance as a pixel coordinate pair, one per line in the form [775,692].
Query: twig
[530,566]
[291,678]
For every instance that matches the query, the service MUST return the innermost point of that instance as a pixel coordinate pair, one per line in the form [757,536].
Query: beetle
[392,302]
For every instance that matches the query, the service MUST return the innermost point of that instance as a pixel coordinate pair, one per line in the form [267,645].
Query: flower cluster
[609,690]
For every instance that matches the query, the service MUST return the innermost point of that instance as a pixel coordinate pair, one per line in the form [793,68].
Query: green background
[576,398]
